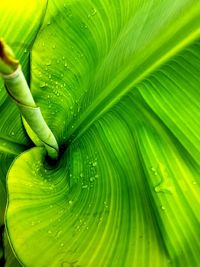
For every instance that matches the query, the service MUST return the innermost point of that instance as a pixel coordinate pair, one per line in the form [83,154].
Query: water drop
[83,26]
[58,234]
[48,63]
[94,164]
[92,179]
[93,12]
[70,202]
[162,188]
[53,46]
[62,211]
[49,232]
[12,133]
[42,84]
[162,207]
[153,169]
[157,189]
[85,186]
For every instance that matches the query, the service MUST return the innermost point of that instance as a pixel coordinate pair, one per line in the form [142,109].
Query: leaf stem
[20,93]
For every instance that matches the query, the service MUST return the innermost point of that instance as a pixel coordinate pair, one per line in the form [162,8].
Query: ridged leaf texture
[118,84]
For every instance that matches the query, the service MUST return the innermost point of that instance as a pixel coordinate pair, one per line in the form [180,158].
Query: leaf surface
[118,85]
[18,26]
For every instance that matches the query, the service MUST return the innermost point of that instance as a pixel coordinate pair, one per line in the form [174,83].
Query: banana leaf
[10,258]
[117,83]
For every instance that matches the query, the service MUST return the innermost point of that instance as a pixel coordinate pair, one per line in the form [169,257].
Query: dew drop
[93,12]
[92,179]
[12,133]
[85,186]
[94,164]
[157,189]
[42,84]
[62,211]
[70,202]
[49,232]
[83,26]
[58,234]
[162,207]
[153,169]
[48,63]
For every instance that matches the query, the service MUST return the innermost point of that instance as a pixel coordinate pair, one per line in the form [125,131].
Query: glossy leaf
[10,259]
[117,85]
[19,26]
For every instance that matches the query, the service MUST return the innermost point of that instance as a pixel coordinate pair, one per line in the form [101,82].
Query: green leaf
[10,259]
[19,26]
[118,85]
[5,161]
